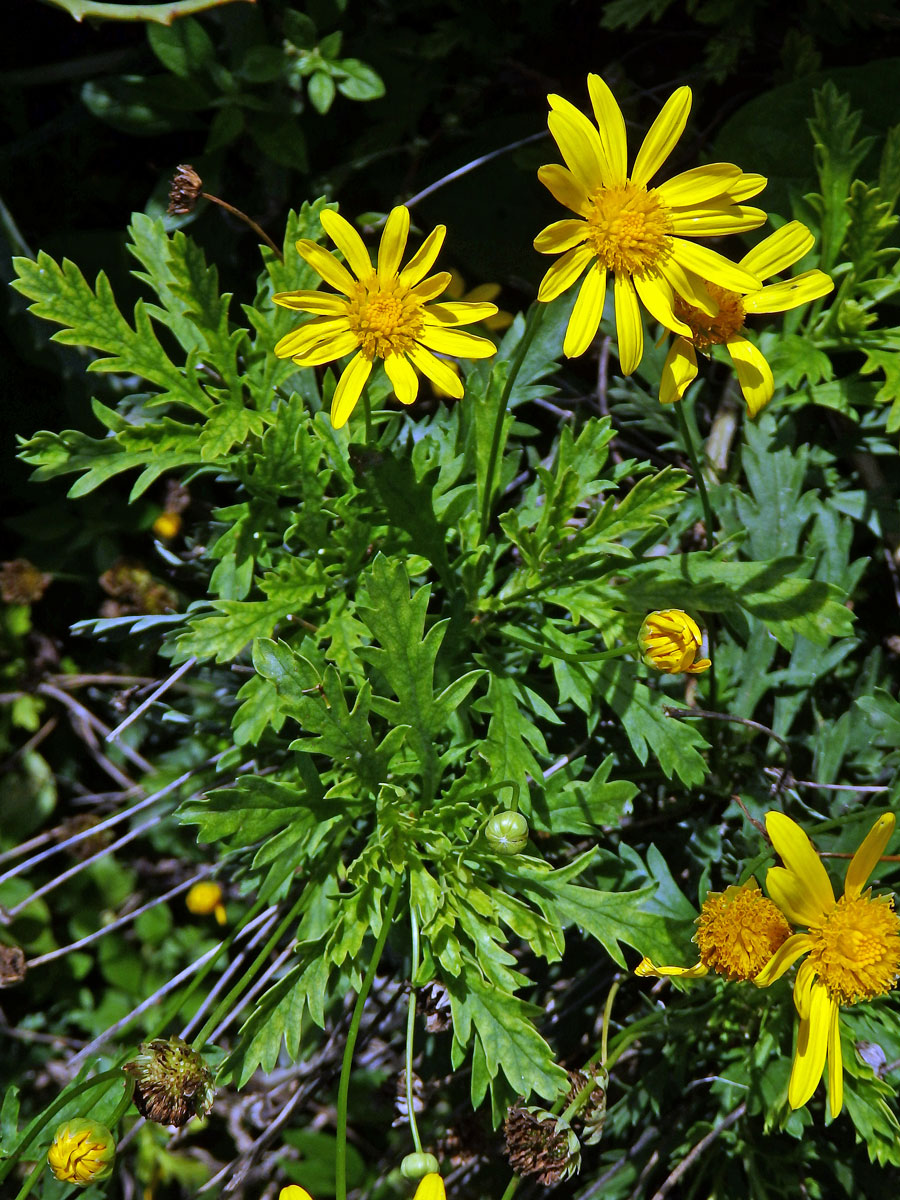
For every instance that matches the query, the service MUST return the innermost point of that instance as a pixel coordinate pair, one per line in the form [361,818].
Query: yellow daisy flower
[382,312]
[670,641]
[852,947]
[640,233]
[738,931]
[775,253]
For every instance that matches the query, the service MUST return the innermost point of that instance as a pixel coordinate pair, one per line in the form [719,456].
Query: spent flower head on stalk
[738,931]
[172,1082]
[775,253]
[82,1152]
[852,947]
[383,312]
[639,233]
[670,641]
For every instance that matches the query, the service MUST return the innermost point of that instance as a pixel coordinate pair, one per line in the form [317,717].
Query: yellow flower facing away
[205,899]
[852,947]
[726,328]
[431,1187]
[670,641]
[82,1152]
[639,233]
[738,931]
[294,1192]
[382,312]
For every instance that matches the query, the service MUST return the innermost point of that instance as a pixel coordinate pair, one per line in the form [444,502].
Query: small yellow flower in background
[670,641]
[639,233]
[204,899]
[852,947]
[294,1192]
[383,312]
[456,290]
[167,525]
[738,931]
[431,1187]
[82,1152]
[775,253]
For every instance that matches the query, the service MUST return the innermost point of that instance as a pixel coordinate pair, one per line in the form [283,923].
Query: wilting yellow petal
[349,389]
[784,957]
[753,373]
[646,968]
[662,136]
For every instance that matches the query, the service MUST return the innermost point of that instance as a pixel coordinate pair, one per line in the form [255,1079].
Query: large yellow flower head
[852,947]
[738,931]
[382,312]
[775,253]
[639,233]
[82,1152]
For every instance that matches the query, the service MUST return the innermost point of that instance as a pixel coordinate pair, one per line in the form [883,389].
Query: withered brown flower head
[184,191]
[540,1144]
[592,1114]
[172,1082]
[12,966]
[21,582]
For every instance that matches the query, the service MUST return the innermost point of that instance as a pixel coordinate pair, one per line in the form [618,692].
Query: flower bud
[82,1152]
[507,832]
[670,641]
[414,1166]
[172,1082]
[205,898]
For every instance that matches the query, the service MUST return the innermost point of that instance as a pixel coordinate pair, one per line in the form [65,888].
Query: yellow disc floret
[739,930]
[386,319]
[628,229]
[856,951]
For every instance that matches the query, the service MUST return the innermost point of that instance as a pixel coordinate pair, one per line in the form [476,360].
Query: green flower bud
[507,832]
[82,1152]
[414,1166]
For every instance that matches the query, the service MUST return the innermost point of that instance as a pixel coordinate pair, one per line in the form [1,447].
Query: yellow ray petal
[458,312]
[393,242]
[791,895]
[717,221]
[587,313]
[561,236]
[423,259]
[865,860]
[348,242]
[835,1080]
[629,329]
[431,1187]
[579,143]
[455,342]
[564,187]
[320,329]
[753,373]
[646,968]
[438,371]
[656,297]
[349,389]
[779,250]
[789,293]
[748,186]
[430,288]
[403,378]
[797,853]
[311,302]
[698,184]
[711,265]
[611,126]
[325,264]
[327,351]
[688,286]
[812,1045]
[803,985]
[563,273]
[679,371]
[662,136]
[783,958]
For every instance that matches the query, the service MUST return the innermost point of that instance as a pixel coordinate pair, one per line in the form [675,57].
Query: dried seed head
[21,582]
[12,966]
[184,190]
[592,1113]
[434,1005]
[172,1082]
[540,1144]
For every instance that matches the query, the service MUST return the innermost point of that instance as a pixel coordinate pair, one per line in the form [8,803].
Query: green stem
[531,328]
[340,1164]
[710,535]
[32,1179]
[410,1030]
[367,410]
[552,652]
[200,1040]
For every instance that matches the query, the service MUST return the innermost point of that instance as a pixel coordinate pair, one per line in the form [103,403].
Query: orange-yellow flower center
[857,948]
[628,229]
[386,318]
[707,330]
[739,930]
